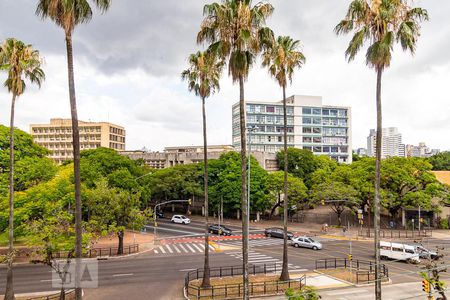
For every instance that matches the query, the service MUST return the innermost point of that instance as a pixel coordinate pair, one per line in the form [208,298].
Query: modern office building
[391,143]
[184,155]
[57,137]
[322,129]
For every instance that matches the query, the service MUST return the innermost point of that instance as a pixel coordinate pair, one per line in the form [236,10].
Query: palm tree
[234,29]
[282,57]
[381,23]
[203,78]
[21,62]
[68,14]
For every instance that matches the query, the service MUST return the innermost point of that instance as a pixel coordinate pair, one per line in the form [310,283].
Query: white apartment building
[420,151]
[391,143]
[321,129]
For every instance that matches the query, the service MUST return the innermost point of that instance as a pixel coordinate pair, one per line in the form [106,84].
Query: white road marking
[198,248]
[121,275]
[176,248]
[182,247]
[162,249]
[188,246]
[169,249]
[47,280]
[187,270]
[347,292]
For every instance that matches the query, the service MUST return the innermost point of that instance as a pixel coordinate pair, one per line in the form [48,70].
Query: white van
[399,251]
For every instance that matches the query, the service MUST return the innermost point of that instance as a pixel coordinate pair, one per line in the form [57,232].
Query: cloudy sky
[128,64]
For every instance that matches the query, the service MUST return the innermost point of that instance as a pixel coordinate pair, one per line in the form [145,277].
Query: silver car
[306,242]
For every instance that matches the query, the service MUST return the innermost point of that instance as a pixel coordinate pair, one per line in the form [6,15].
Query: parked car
[399,251]
[424,252]
[220,230]
[180,219]
[277,233]
[160,214]
[306,242]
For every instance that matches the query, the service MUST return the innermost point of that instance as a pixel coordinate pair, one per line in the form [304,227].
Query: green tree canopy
[440,161]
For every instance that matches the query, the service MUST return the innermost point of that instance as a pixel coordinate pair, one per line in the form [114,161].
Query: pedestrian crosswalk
[181,248]
[272,264]
[256,242]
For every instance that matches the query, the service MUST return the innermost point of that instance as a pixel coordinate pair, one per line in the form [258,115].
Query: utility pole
[419,220]
[250,130]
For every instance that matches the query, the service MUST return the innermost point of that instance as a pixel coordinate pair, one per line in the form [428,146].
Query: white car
[180,219]
[306,242]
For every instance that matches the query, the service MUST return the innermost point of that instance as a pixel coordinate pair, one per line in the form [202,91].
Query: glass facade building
[322,129]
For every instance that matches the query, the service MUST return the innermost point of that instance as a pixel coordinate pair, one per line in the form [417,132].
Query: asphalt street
[160,274]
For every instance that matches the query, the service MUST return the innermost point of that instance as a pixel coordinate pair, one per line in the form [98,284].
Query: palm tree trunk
[76,166]
[120,235]
[9,293]
[376,219]
[206,271]
[244,188]
[285,271]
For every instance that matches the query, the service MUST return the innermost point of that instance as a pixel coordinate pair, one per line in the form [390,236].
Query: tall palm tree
[21,62]
[68,14]
[235,29]
[281,58]
[381,23]
[203,78]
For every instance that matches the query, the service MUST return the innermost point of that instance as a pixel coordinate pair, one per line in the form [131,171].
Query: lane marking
[187,270]
[121,275]
[188,246]
[48,280]
[162,249]
[198,248]
[169,249]
[182,247]
[178,250]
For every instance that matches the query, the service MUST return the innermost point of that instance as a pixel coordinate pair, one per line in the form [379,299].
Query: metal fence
[397,233]
[236,290]
[365,270]
[102,252]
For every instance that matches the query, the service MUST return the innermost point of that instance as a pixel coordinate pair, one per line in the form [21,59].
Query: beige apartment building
[57,137]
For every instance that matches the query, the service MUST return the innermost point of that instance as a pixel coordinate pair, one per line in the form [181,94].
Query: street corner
[323,281]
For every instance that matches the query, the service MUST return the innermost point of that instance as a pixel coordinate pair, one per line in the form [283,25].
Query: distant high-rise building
[361,151]
[321,129]
[57,137]
[420,151]
[391,144]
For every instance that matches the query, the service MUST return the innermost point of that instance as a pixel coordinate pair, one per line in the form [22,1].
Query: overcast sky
[128,64]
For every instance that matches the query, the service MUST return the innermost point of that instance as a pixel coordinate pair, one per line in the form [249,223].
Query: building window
[317,139]
[270,129]
[317,121]
[316,111]
[317,149]
[270,109]
[307,129]
[307,121]
[326,149]
[307,148]
[306,111]
[307,139]
[317,130]
[280,139]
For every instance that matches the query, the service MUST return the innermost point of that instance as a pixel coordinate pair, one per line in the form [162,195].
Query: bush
[307,293]
[444,224]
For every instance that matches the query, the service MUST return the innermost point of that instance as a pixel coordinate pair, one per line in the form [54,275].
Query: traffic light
[323,201]
[350,257]
[425,286]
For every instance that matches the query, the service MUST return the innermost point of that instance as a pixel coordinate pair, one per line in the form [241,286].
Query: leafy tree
[234,29]
[282,57]
[21,62]
[115,210]
[340,195]
[408,182]
[275,186]
[225,184]
[203,78]
[68,14]
[440,161]
[302,163]
[30,167]
[380,23]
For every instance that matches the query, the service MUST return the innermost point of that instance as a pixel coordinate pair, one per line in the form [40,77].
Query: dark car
[277,233]
[220,230]
[160,214]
